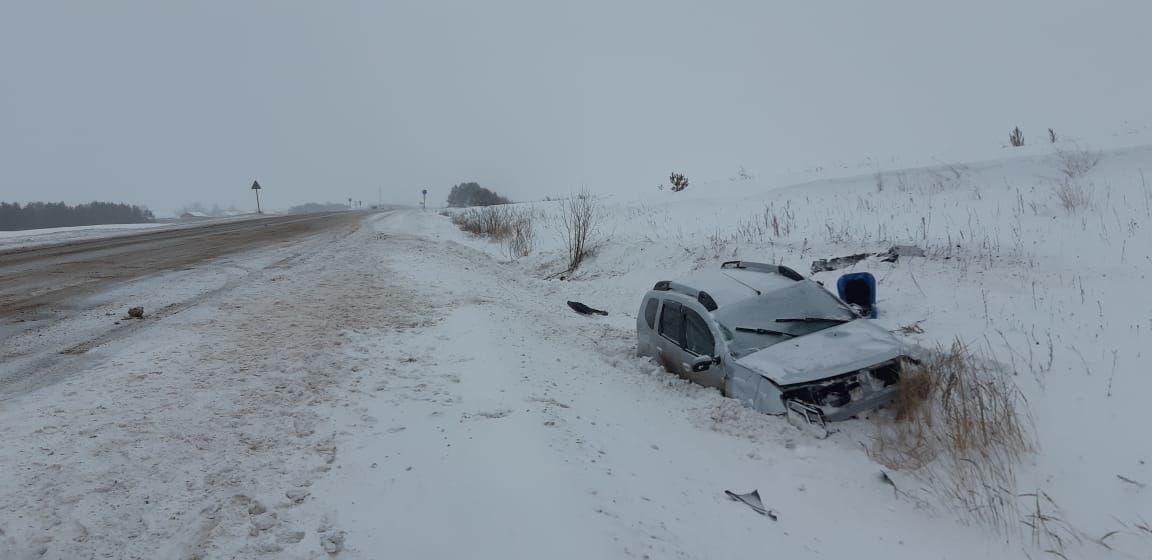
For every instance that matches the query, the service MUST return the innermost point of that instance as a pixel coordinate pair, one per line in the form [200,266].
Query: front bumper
[849,395]
[857,406]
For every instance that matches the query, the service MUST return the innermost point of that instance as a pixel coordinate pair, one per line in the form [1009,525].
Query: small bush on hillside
[578,219]
[956,426]
[1016,137]
[679,182]
[1077,162]
[1073,196]
[521,240]
[1051,136]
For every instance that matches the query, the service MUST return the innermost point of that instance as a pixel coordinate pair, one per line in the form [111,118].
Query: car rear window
[672,322]
[650,312]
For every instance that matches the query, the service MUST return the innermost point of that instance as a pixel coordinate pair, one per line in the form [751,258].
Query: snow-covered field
[407,391]
[27,238]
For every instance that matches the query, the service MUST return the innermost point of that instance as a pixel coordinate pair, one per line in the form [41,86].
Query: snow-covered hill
[1038,262]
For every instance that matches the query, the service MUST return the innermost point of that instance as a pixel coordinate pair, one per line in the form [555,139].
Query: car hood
[834,351]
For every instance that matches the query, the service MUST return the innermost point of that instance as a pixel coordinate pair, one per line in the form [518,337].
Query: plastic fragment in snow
[752,500]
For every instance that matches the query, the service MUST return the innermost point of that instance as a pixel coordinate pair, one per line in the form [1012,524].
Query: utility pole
[380,196]
[424,199]
[256,187]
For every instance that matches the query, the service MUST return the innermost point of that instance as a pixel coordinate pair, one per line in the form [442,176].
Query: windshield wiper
[764,331]
[812,320]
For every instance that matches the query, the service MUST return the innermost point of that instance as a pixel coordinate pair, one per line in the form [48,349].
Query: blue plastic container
[859,288]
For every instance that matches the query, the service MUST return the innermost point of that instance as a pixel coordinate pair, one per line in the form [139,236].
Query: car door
[646,327]
[670,341]
[699,341]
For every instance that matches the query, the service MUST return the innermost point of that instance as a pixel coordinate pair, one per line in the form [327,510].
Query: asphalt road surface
[33,279]
[54,299]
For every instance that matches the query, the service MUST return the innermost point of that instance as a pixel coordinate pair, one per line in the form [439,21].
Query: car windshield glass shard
[763,331]
[812,320]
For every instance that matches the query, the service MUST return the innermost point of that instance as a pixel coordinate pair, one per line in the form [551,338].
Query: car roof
[728,286]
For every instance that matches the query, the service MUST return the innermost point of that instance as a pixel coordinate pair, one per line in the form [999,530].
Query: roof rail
[707,301]
[701,296]
[764,267]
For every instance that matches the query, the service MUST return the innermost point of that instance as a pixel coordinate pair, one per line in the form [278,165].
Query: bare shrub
[1016,137]
[578,219]
[718,242]
[522,239]
[955,426]
[781,221]
[1078,161]
[487,221]
[751,230]
[514,227]
[1073,196]
[495,222]
[771,222]
[679,182]
[1051,136]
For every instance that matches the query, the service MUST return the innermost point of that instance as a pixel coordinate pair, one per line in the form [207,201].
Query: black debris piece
[584,309]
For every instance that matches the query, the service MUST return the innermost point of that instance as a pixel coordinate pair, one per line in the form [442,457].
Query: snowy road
[390,392]
[33,277]
[146,445]
[61,300]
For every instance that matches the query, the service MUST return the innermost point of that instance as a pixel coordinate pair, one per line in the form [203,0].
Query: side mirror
[704,363]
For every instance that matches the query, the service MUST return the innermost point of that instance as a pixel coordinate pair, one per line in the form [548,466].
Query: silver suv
[775,341]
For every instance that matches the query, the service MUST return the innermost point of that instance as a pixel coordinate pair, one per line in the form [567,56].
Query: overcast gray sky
[164,103]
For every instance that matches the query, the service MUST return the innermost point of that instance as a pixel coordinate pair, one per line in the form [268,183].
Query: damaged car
[775,341]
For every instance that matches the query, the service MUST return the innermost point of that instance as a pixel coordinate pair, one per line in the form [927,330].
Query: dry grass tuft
[514,227]
[956,426]
[1077,161]
[1073,196]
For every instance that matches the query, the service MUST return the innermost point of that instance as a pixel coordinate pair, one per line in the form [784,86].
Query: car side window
[672,322]
[698,338]
[650,312]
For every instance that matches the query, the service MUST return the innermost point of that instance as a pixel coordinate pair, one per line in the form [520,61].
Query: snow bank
[1054,293]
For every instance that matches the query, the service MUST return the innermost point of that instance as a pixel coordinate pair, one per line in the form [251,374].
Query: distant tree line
[472,194]
[36,215]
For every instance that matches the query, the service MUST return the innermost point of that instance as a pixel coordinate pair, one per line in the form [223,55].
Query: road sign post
[256,187]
